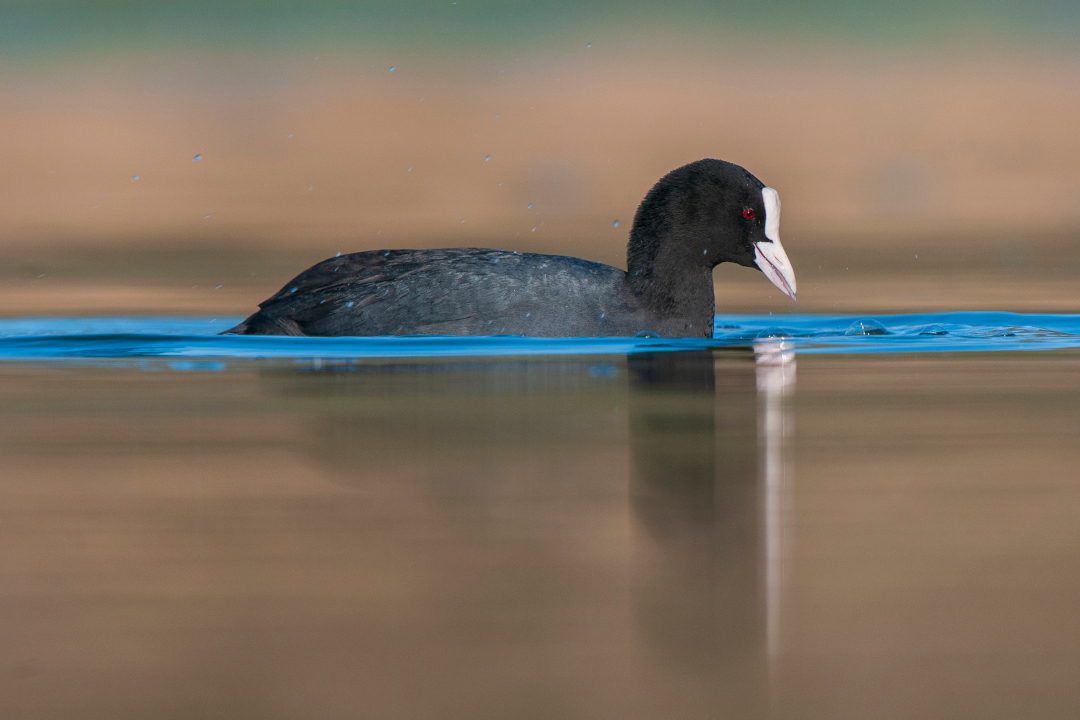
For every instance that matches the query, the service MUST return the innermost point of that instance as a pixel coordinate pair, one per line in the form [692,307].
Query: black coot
[695,218]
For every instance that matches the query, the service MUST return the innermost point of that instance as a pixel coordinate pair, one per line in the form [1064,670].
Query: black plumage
[692,220]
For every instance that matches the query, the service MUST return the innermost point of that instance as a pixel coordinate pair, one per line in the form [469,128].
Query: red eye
[748,213]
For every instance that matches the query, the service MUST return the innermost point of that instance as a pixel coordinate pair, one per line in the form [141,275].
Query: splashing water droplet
[616,223]
[534,229]
[393,68]
[588,45]
[866,326]
[197,158]
[134,178]
[496,114]
[409,170]
[529,206]
[487,158]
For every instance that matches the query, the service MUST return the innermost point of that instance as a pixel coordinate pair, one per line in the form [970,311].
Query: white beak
[770,256]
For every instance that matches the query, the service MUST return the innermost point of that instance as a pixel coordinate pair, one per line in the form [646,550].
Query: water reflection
[706,438]
[525,538]
[776,424]
[587,537]
[494,445]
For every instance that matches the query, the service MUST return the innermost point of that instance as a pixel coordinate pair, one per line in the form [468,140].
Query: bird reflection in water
[553,522]
[709,476]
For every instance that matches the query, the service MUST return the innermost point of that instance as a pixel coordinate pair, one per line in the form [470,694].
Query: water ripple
[196,337]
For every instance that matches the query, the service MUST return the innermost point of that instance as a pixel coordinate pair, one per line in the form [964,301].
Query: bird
[696,217]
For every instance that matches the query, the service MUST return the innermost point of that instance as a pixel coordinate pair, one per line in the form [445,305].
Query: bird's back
[461,291]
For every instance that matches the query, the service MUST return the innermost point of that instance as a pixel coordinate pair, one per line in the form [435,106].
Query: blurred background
[192,157]
[551,537]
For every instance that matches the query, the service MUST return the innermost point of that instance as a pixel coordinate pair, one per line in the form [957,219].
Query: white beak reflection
[776,423]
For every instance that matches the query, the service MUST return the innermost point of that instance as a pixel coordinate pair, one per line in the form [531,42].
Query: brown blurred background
[927,155]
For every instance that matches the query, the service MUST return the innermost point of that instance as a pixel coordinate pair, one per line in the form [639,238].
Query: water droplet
[293,290]
[218,287]
[528,314]
[134,178]
[534,229]
[529,206]
[616,223]
[385,254]
[602,316]
[409,170]
[290,134]
[496,114]
[704,252]
[496,260]
[205,217]
[866,326]
[338,255]
[588,45]
[349,304]
[197,158]
[933,330]
[393,68]
[487,158]
[647,334]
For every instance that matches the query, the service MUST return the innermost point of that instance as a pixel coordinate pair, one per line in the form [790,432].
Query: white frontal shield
[770,256]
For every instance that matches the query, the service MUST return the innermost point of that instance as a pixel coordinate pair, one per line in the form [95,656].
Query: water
[786,522]
[148,337]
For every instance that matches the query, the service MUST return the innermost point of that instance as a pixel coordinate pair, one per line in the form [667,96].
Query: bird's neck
[676,290]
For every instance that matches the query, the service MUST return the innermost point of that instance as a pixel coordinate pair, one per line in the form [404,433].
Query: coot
[695,218]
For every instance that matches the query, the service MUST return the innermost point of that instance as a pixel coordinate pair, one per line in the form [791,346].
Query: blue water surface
[196,337]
